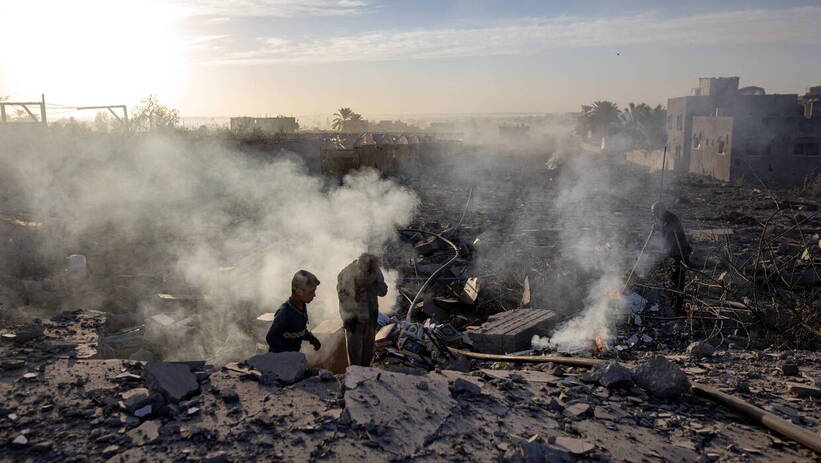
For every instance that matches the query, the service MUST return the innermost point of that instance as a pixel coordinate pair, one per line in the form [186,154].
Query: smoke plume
[200,219]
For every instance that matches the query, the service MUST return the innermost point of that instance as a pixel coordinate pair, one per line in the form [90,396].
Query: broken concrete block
[282,367]
[700,350]
[661,378]
[576,410]
[146,433]
[610,375]
[28,332]
[464,387]
[173,380]
[392,404]
[512,331]
[136,398]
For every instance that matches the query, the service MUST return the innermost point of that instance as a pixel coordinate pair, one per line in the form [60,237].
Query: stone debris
[173,380]
[802,390]
[661,378]
[512,331]
[463,386]
[136,398]
[283,367]
[610,375]
[700,349]
[145,433]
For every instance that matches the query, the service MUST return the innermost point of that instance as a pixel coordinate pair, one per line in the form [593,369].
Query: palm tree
[598,118]
[645,125]
[344,114]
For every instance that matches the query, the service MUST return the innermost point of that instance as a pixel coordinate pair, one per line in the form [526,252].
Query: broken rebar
[435,273]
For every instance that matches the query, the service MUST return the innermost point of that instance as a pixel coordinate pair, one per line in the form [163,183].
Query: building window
[806,149]
[678,151]
[679,125]
[669,121]
[722,146]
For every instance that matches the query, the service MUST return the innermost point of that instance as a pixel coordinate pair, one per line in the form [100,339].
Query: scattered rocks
[577,410]
[802,390]
[136,398]
[145,433]
[700,349]
[20,440]
[173,380]
[661,378]
[610,375]
[282,367]
[464,387]
[789,369]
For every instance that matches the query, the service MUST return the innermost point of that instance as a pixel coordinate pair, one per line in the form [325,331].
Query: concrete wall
[652,159]
[712,146]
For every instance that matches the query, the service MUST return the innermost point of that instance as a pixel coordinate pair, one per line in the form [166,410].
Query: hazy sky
[253,57]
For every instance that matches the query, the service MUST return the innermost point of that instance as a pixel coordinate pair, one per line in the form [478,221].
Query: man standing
[359,286]
[290,325]
[676,248]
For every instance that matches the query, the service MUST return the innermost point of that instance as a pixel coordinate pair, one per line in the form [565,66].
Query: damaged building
[737,134]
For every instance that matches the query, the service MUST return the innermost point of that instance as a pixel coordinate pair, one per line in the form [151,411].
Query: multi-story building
[733,133]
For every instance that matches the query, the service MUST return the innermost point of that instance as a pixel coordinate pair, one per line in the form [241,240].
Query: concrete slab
[513,330]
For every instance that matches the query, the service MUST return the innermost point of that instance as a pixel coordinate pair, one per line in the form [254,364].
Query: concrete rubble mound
[400,411]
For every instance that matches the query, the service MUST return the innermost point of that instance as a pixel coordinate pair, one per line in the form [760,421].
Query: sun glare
[90,51]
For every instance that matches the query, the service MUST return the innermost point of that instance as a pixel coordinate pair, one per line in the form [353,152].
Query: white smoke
[203,218]
[593,238]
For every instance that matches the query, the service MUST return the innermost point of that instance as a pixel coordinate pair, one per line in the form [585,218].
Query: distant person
[290,325]
[676,248]
[359,285]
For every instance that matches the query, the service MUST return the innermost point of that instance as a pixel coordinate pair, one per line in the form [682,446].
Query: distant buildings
[514,133]
[733,133]
[266,125]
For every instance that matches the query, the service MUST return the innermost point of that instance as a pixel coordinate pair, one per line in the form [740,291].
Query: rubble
[611,375]
[512,331]
[173,380]
[398,416]
[700,349]
[283,367]
[661,378]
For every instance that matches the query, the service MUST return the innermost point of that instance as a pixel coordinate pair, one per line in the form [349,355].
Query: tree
[344,115]
[645,126]
[598,119]
[150,115]
[102,122]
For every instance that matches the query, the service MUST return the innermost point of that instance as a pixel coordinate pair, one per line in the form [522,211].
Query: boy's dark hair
[304,279]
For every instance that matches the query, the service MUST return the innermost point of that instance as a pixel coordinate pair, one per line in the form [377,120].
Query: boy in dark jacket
[290,325]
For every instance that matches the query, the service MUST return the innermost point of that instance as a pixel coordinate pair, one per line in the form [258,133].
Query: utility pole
[43,110]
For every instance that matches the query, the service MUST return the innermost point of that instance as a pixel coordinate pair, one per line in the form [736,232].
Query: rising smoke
[200,219]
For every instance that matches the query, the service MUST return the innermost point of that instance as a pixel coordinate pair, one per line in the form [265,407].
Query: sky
[215,58]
